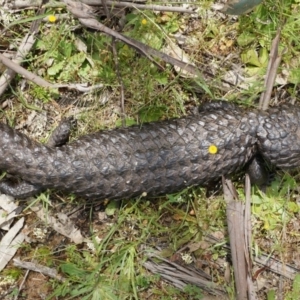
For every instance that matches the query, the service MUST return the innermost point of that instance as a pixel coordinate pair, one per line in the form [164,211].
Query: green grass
[112,268]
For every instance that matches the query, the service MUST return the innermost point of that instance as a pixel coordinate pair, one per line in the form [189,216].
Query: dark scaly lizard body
[156,158]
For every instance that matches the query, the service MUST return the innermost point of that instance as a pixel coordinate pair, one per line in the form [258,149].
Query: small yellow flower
[144,22]
[51,18]
[213,149]
[267,225]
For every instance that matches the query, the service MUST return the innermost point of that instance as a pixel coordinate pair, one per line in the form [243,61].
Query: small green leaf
[77,59]
[151,113]
[128,122]
[245,39]
[72,270]
[56,68]
[65,49]
[296,285]
[251,57]
[111,208]
[293,207]
[161,78]
[256,199]
[295,76]
[271,295]
[263,56]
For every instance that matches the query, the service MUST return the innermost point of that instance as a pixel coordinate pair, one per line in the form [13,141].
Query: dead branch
[86,17]
[38,268]
[111,4]
[22,52]
[252,291]
[15,68]
[180,276]
[235,223]
[81,87]
[273,65]
[124,4]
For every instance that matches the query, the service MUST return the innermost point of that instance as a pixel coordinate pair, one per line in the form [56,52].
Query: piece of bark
[35,267]
[274,62]
[235,223]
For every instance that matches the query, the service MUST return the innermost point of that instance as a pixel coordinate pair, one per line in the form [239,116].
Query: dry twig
[110,4]
[273,65]
[85,15]
[16,68]
[22,52]
[235,222]
[180,276]
[252,293]
[42,82]
[38,268]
